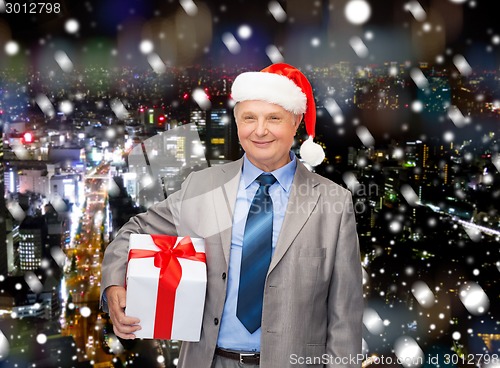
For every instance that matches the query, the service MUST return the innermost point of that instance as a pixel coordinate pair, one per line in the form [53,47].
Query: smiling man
[284,274]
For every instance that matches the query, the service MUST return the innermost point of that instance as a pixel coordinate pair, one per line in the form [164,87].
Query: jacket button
[223,276]
[216,321]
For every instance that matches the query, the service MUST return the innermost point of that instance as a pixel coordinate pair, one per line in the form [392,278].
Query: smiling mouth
[257,143]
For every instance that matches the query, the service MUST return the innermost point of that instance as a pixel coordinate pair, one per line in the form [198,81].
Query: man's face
[266,133]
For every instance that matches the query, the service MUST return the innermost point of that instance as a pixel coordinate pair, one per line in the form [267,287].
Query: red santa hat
[286,86]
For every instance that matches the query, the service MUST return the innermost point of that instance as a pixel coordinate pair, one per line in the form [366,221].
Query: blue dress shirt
[232,334]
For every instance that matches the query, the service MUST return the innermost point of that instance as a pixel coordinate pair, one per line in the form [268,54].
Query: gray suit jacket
[313,301]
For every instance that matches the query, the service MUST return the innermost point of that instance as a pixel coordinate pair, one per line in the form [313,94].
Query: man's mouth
[262,143]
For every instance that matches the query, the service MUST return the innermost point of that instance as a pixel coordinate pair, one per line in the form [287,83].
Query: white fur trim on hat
[269,87]
[311,152]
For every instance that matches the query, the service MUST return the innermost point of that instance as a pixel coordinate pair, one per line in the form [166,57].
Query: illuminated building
[32,235]
[217,133]
[65,186]
[33,180]
[391,188]
[417,156]
[352,156]
[68,157]
[44,305]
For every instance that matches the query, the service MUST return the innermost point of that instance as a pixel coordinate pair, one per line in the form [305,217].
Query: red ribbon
[170,276]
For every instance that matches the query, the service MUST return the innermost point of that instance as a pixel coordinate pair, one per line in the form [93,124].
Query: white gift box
[143,279]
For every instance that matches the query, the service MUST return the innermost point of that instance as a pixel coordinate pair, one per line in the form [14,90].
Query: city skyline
[394,101]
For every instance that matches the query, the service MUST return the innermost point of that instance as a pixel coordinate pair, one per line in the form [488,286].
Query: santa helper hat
[286,86]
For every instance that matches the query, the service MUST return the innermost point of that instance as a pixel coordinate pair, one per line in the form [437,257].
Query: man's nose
[261,128]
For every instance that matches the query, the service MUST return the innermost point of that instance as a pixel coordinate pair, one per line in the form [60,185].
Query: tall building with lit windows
[32,241]
[218,140]
[424,154]
[217,131]
[423,159]
[417,156]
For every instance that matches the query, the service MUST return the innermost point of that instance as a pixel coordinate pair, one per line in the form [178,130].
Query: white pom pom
[311,152]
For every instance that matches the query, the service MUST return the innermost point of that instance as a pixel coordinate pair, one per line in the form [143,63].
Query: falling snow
[277,11]
[416,10]
[64,61]
[357,11]
[11,48]
[359,47]
[365,136]
[72,26]
[274,54]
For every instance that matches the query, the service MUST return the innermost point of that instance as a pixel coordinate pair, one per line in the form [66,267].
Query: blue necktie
[256,255]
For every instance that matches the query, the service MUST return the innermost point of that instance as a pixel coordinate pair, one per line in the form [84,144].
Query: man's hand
[123,326]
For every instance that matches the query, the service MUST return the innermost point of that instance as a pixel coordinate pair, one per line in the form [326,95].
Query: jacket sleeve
[345,300]
[161,218]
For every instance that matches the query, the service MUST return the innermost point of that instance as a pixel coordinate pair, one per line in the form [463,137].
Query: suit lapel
[224,197]
[303,200]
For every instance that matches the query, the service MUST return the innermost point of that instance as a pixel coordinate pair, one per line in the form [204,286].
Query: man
[287,291]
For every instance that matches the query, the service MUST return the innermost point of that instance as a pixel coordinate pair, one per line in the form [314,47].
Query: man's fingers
[122,298]
[123,335]
[125,331]
[124,320]
[124,326]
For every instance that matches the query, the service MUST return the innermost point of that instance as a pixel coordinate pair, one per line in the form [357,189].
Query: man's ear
[235,109]
[298,120]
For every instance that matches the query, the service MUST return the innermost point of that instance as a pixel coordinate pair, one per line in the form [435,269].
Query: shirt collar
[284,175]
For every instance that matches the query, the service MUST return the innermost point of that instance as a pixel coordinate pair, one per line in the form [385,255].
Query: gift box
[166,286]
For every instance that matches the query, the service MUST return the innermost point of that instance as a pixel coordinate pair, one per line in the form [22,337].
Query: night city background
[106,106]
